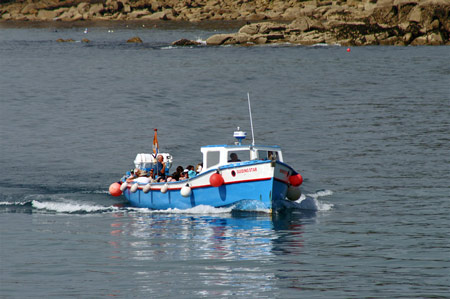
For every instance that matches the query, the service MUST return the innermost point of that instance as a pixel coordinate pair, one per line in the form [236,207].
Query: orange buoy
[296,180]
[114,189]
[216,180]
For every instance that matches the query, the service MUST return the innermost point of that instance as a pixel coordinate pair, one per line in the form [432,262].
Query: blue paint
[223,196]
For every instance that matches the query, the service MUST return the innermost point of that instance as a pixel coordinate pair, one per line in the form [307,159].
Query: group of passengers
[158,173]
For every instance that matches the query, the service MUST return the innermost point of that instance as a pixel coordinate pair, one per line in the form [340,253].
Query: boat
[257,178]
[242,176]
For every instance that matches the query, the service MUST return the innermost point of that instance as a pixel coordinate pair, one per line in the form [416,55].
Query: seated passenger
[191,171]
[234,158]
[126,176]
[184,175]
[199,168]
[150,175]
[177,173]
[134,174]
[143,180]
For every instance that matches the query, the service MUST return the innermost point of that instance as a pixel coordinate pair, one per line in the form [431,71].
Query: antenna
[251,120]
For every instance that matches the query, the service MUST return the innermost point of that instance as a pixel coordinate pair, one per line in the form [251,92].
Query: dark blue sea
[368,129]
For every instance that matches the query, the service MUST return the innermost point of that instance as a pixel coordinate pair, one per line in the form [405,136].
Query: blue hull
[264,193]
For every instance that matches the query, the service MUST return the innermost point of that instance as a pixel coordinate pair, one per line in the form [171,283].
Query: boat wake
[63,204]
[310,202]
[198,210]
[71,207]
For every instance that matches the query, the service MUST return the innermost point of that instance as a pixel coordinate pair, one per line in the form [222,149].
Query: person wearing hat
[184,175]
[191,171]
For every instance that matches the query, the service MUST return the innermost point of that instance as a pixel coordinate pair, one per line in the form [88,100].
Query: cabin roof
[243,146]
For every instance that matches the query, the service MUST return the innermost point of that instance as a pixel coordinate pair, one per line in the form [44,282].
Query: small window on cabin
[212,159]
[268,155]
[238,156]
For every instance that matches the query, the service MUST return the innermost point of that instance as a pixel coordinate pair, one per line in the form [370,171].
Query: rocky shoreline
[344,22]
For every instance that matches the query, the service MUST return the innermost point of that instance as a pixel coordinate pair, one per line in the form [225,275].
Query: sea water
[368,130]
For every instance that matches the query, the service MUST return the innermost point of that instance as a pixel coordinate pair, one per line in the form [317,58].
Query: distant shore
[345,22]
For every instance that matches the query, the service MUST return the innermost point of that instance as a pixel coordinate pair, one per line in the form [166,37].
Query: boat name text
[245,170]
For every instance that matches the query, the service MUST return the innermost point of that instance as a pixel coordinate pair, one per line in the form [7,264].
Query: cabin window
[212,159]
[238,156]
[268,155]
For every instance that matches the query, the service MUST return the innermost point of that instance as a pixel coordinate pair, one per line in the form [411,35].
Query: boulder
[258,39]
[407,38]
[304,23]
[47,15]
[415,15]
[256,17]
[242,38]
[135,39]
[138,14]
[61,40]
[185,42]
[77,16]
[219,39]
[96,9]
[309,38]
[166,14]
[83,7]
[250,29]
[292,13]
[300,24]
[435,39]
[435,24]
[419,41]
[271,27]
[391,41]
[272,15]
[29,9]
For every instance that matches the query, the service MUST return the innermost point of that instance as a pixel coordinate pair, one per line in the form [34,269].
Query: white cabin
[146,161]
[219,155]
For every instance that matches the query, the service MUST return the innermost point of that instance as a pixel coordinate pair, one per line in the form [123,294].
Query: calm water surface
[368,130]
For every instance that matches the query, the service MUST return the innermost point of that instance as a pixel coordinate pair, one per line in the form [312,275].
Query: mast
[251,120]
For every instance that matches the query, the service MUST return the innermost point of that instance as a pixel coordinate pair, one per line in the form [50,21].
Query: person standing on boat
[160,168]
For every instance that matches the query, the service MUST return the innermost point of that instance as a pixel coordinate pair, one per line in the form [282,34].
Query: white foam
[311,202]
[15,203]
[326,45]
[322,193]
[69,207]
[199,40]
[201,209]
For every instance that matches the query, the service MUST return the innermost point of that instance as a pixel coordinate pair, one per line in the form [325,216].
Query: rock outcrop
[185,42]
[387,22]
[135,39]
[348,22]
